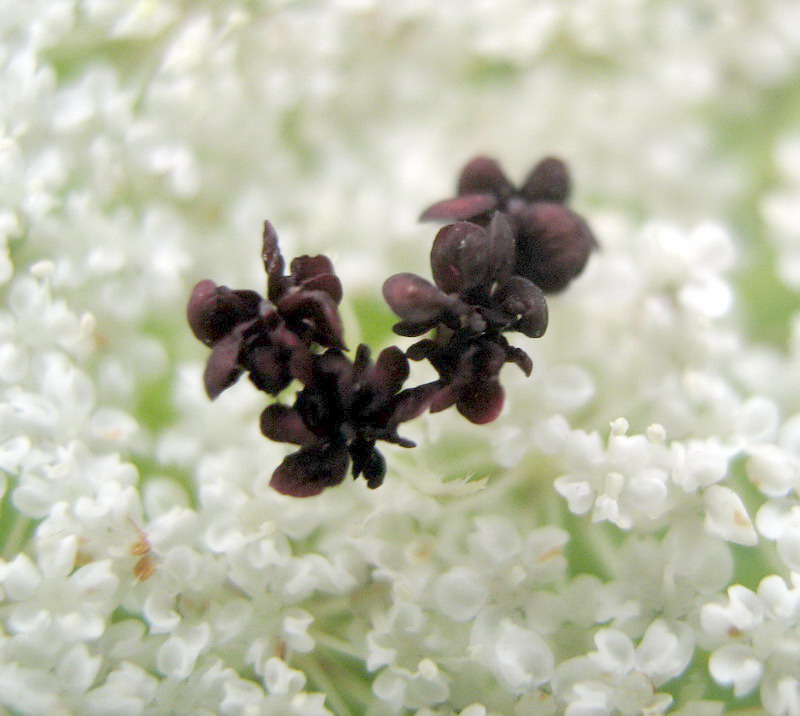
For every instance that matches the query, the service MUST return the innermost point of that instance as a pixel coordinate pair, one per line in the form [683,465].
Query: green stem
[17,535]
[334,643]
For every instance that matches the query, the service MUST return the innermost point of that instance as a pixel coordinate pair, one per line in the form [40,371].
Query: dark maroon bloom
[468,368]
[475,288]
[342,410]
[271,339]
[475,299]
[552,242]
[214,311]
[307,298]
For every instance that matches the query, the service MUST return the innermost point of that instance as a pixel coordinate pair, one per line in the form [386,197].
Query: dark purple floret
[468,368]
[214,311]
[475,288]
[476,298]
[552,246]
[343,409]
[272,338]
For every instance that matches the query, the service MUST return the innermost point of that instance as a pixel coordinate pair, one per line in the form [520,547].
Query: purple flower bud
[460,208]
[214,310]
[502,247]
[315,273]
[285,425]
[414,299]
[313,313]
[223,367]
[368,461]
[520,358]
[521,298]
[481,402]
[273,263]
[551,248]
[548,181]
[309,471]
[553,245]
[461,257]
[484,175]
[389,373]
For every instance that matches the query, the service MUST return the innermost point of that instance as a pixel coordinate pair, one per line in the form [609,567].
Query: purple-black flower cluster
[490,268]
[552,242]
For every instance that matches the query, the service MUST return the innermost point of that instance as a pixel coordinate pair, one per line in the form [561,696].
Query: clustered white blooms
[624,539]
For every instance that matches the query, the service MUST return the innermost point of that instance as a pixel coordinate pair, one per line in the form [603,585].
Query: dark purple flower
[552,242]
[468,368]
[342,410]
[475,288]
[307,298]
[214,311]
[270,338]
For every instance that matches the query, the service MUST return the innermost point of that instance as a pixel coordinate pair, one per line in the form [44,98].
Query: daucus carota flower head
[561,560]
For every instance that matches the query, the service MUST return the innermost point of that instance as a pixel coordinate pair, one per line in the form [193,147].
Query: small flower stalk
[491,268]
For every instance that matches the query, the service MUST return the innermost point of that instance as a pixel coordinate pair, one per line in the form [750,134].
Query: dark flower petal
[326,282]
[444,398]
[483,174]
[310,470]
[321,412]
[502,251]
[390,372]
[520,358]
[316,312]
[213,310]
[334,372]
[412,330]
[481,402]
[521,298]
[280,335]
[223,368]
[411,403]
[274,264]
[301,366]
[362,362]
[305,267]
[553,245]
[269,368]
[374,469]
[422,349]
[315,273]
[414,299]
[461,257]
[460,208]
[285,425]
[486,361]
[548,181]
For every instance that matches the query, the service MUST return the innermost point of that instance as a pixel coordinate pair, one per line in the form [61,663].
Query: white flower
[540,565]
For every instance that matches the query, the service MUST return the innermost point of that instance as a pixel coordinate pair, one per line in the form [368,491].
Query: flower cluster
[485,284]
[543,564]
[491,273]
[266,337]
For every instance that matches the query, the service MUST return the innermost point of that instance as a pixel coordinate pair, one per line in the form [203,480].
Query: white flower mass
[625,538]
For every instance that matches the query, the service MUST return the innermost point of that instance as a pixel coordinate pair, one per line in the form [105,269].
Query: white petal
[727,517]
[614,653]
[736,665]
[460,593]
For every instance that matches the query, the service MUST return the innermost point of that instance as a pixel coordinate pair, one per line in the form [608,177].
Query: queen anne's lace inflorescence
[345,407]
[623,537]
